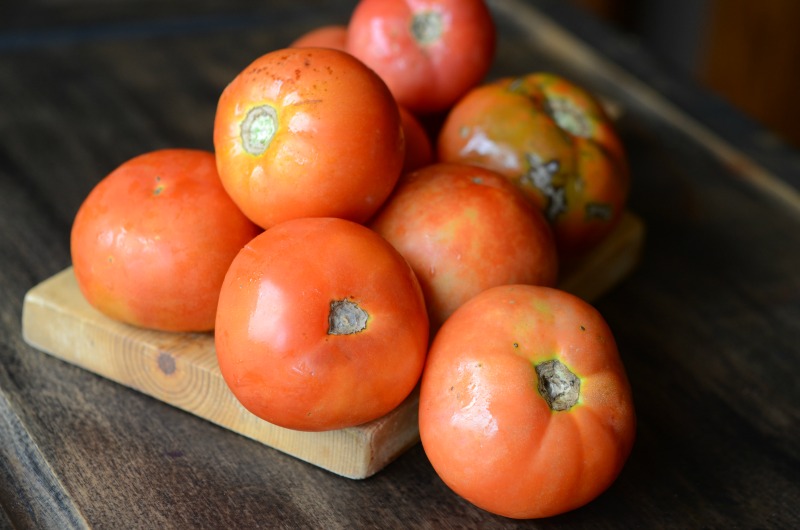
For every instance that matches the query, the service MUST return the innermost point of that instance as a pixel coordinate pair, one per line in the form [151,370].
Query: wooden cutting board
[181,369]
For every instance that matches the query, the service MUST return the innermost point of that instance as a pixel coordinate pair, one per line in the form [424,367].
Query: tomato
[429,52]
[552,139]
[331,36]
[321,325]
[464,229]
[525,406]
[152,241]
[308,132]
[419,149]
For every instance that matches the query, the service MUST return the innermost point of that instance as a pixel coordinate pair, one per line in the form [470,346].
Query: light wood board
[181,369]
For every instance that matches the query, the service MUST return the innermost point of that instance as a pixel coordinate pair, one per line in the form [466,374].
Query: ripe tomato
[321,325]
[419,149]
[525,407]
[332,36]
[308,132]
[152,241]
[429,52]
[464,229]
[555,142]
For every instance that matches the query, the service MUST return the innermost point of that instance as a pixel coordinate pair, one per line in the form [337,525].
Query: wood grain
[181,368]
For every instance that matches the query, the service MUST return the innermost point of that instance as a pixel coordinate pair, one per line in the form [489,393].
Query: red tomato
[429,52]
[555,142]
[321,325]
[333,36]
[308,132]
[152,241]
[419,150]
[464,229]
[525,407]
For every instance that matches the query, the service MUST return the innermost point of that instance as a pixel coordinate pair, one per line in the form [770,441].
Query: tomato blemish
[559,387]
[568,116]
[542,175]
[346,318]
[159,187]
[598,210]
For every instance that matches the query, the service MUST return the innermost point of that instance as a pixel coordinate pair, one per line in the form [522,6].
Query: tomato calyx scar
[427,27]
[346,318]
[258,128]
[559,387]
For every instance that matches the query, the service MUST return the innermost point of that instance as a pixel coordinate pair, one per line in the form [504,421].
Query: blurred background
[746,51]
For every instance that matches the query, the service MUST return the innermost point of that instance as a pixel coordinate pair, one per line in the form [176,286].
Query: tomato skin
[152,241]
[419,148]
[331,36]
[428,74]
[555,142]
[308,132]
[464,229]
[486,429]
[272,340]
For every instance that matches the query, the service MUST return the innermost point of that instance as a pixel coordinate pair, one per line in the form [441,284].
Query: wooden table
[708,326]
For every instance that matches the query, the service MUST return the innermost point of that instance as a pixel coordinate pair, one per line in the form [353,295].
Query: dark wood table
[708,325]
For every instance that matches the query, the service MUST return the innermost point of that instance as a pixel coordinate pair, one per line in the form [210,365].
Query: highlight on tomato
[308,132]
[525,407]
[464,229]
[151,243]
[321,325]
[429,52]
[554,140]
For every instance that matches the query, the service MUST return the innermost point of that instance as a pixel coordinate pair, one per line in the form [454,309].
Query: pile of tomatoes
[344,251]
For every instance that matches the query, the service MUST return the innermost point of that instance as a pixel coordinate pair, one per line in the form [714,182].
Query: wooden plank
[181,368]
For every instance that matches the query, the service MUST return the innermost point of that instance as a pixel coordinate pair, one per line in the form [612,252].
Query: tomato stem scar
[559,387]
[258,128]
[346,318]
[426,27]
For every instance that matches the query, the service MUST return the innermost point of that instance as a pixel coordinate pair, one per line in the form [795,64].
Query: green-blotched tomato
[152,241]
[321,325]
[525,406]
[554,140]
[308,132]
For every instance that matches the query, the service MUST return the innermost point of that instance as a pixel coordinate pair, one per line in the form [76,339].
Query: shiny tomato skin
[153,240]
[429,52]
[554,140]
[308,132]
[273,339]
[489,432]
[464,229]
[330,36]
